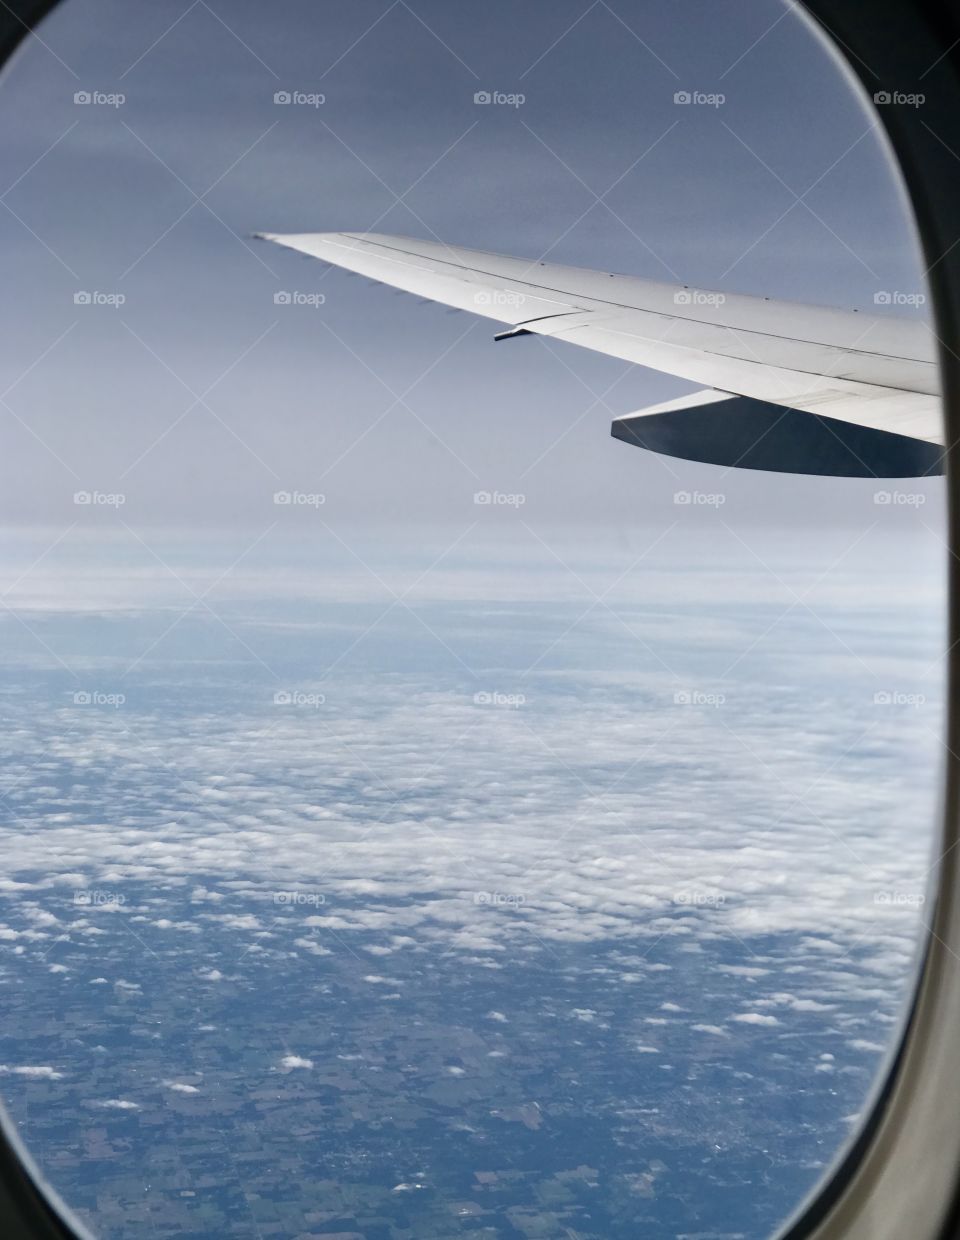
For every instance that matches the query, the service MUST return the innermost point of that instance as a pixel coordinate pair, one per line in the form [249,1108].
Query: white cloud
[313,946]
[289,1062]
[39,1072]
[755,1018]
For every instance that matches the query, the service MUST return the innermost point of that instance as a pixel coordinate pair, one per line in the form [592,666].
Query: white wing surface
[847,367]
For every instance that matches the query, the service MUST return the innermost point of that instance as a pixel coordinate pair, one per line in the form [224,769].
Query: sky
[197,397]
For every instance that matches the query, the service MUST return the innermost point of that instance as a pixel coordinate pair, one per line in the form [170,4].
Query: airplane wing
[788,387]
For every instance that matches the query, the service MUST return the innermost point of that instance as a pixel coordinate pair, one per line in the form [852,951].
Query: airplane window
[458,785]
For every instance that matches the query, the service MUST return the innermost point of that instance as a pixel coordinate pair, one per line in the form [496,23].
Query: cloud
[289,1062]
[313,946]
[39,1072]
[412,821]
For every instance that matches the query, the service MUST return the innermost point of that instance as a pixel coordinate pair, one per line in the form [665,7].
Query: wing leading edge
[821,390]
